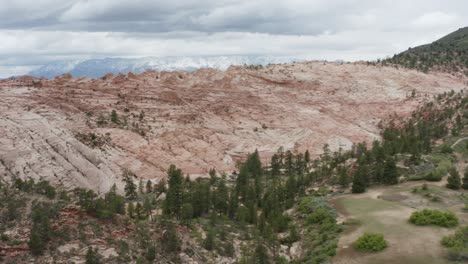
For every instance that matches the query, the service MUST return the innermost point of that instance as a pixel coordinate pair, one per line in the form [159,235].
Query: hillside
[290,210]
[449,54]
[80,132]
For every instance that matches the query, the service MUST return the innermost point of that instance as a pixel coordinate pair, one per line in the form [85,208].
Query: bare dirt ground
[386,210]
[197,120]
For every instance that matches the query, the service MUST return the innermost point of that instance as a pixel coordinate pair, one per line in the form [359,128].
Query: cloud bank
[37,32]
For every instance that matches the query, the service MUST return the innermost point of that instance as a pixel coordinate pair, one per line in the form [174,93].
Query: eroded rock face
[197,120]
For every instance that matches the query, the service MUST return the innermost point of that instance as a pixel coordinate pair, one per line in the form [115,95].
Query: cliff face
[63,129]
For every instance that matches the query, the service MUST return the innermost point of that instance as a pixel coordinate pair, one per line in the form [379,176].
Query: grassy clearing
[407,243]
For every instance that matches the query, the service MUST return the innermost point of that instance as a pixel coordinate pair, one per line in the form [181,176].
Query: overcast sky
[34,32]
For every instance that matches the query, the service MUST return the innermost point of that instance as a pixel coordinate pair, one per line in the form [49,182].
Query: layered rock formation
[63,130]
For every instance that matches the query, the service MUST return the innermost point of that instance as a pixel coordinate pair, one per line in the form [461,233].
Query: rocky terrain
[63,129]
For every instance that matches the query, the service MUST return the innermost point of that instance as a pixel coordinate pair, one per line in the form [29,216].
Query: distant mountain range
[96,68]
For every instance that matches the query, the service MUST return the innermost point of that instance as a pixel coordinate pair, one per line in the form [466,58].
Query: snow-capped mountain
[96,68]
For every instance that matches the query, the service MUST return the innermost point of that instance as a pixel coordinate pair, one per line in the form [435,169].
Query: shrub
[446,149]
[370,242]
[434,217]
[457,244]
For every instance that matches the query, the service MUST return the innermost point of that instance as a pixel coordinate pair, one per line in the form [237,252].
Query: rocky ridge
[199,120]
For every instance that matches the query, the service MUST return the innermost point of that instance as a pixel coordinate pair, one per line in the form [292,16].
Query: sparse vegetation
[457,244]
[370,242]
[434,217]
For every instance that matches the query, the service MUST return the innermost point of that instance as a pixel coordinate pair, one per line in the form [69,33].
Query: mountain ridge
[95,68]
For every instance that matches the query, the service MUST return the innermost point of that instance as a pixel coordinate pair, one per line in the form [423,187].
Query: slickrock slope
[197,120]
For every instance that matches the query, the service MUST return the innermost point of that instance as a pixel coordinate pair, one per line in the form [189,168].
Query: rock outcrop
[200,120]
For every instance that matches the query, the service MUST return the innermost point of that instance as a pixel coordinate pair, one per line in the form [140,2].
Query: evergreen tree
[114,117]
[390,174]
[149,186]
[92,256]
[36,243]
[130,188]
[140,186]
[275,165]
[221,197]
[306,157]
[147,207]
[453,181]
[173,201]
[359,181]
[187,212]
[170,241]
[131,210]
[139,211]
[209,242]
[343,179]
[213,177]
[261,254]
[289,162]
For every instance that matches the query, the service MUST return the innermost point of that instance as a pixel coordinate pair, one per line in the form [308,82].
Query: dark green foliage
[457,244]
[321,230]
[370,242]
[453,180]
[130,186]
[150,254]
[114,117]
[209,242]
[92,256]
[173,202]
[42,187]
[36,243]
[261,254]
[187,212]
[390,174]
[149,186]
[102,208]
[41,231]
[170,241]
[359,181]
[434,217]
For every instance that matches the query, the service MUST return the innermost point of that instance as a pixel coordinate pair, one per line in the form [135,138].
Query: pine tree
[275,166]
[149,186]
[465,179]
[187,212]
[307,157]
[343,179]
[114,117]
[359,182]
[36,243]
[130,188]
[173,201]
[453,181]
[140,186]
[131,210]
[390,174]
[261,254]
[170,241]
[92,256]
[208,244]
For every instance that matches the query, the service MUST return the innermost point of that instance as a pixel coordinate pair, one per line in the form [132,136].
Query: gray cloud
[35,32]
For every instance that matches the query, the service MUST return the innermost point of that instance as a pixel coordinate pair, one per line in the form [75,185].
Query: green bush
[370,242]
[434,217]
[457,244]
